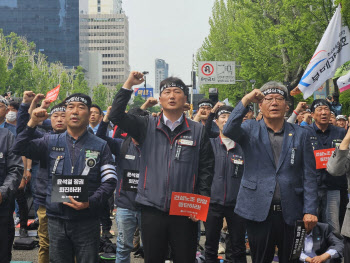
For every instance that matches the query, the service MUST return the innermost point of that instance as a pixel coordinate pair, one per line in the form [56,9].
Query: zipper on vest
[73,158]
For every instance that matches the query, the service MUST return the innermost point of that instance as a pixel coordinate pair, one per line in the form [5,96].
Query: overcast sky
[172,30]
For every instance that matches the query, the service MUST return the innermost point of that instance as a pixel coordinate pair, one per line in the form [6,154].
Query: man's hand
[301,107]
[201,114]
[135,78]
[307,117]
[310,222]
[346,141]
[193,218]
[217,105]
[23,183]
[187,106]
[320,259]
[28,176]
[35,101]
[106,117]
[38,116]
[76,205]
[150,102]
[28,97]
[254,96]
[45,104]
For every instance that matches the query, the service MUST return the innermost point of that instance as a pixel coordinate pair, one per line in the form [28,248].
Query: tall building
[161,72]
[53,25]
[105,29]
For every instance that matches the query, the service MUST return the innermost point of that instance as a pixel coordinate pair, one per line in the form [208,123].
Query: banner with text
[53,94]
[185,204]
[332,52]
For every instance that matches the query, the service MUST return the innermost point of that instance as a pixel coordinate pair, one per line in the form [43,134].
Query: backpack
[26,243]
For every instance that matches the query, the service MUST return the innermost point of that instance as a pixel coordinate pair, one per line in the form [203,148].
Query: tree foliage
[99,97]
[22,69]
[268,39]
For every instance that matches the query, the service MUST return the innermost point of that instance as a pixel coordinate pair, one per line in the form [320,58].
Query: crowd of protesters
[260,173]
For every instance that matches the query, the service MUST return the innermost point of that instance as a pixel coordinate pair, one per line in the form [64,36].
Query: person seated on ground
[322,245]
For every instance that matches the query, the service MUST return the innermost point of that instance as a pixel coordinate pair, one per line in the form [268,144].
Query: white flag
[332,52]
[344,82]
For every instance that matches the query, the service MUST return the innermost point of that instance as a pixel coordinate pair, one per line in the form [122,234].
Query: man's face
[77,115]
[221,121]
[341,123]
[3,111]
[321,115]
[206,110]
[248,116]
[58,121]
[273,106]
[95,116]
[333,120]
[300,117]
[172,99]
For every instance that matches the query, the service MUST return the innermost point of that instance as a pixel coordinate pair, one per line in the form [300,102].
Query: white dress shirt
[172,125]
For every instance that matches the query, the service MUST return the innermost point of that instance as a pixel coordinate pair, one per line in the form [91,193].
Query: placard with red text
[322,157]
[185,204]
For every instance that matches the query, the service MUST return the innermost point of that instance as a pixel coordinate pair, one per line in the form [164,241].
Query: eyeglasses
[270,100]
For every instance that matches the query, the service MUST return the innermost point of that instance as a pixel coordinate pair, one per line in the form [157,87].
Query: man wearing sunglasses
[279,185]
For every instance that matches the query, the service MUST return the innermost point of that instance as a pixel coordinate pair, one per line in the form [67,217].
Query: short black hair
[14,104]
[97,107]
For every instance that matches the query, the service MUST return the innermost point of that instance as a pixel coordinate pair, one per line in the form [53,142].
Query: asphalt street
[32,255]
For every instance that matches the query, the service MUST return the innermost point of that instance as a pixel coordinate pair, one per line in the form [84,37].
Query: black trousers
[7,230]
[105,219]
[22,207]
[344,200]
[346,249]
[264,236]
[158,229]
[236,227]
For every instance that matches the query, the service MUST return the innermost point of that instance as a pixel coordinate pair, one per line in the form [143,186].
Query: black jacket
[167,165]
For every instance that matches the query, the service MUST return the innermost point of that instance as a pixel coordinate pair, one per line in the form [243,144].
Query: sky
[172,30]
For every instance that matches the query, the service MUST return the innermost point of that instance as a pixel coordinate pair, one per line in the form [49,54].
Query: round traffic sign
[207,69]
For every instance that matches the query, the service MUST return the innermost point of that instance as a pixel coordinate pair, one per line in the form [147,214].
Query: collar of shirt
[277,133]
[95,128]
[2,125]
[172,125]
[318,130]
[230,144]
[74,140]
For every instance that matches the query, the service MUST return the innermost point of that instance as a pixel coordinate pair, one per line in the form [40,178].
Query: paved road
[32,255]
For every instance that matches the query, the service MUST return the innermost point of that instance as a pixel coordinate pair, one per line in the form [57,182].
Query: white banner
[332,52]
[344,82]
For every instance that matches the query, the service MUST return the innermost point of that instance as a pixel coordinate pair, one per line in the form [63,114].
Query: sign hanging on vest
[64,186]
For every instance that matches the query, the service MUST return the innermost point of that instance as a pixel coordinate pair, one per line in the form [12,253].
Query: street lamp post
[144,75]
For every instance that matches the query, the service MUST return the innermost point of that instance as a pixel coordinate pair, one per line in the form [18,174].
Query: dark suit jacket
[324,239]
[295,172]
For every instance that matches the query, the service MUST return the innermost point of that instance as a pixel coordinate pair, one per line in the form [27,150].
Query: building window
[99,9]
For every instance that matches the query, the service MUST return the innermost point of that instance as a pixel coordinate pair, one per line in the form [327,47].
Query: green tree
[80,84]
[100,94]
[138,101]
[3,75]
[268,39]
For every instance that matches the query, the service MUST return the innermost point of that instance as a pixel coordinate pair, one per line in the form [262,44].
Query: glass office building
[53,25]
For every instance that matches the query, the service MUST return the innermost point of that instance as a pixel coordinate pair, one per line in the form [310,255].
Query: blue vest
[58,147]
[228,172]
[129,162]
